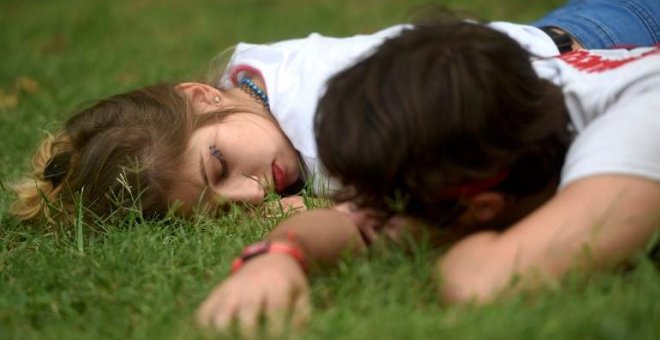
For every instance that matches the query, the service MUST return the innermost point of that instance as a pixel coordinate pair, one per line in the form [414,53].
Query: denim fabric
[608,23]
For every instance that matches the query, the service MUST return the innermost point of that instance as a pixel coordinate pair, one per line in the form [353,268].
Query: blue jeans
[600,24]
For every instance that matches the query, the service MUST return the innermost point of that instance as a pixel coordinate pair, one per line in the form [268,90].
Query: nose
[241,190]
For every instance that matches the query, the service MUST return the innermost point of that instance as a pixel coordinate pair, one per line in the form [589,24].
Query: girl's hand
[294,203]
[273,285]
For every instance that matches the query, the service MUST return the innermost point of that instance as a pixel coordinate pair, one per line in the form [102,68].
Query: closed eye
[217,154]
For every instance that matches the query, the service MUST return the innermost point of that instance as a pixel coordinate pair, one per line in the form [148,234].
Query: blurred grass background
[146,279]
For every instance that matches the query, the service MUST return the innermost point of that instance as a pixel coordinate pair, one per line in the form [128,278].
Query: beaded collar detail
[248,86]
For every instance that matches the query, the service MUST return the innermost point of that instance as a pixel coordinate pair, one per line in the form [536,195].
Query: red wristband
[265,247]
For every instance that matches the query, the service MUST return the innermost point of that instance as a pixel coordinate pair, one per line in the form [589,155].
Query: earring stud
[216,99]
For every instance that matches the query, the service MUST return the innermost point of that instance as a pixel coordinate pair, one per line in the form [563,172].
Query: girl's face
[237,159]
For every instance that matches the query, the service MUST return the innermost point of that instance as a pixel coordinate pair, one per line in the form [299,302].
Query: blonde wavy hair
[35,194]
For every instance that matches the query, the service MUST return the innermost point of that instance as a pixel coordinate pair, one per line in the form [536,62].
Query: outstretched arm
[322,234]
[591,224]
[275,284]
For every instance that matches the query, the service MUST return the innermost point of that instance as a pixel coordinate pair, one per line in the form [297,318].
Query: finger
[276,323]
[248,317]
[275,311]
[293,203]
[223,316]
[206,312]
[301,310]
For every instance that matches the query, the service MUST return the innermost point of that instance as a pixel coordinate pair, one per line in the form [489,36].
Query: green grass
[144,280]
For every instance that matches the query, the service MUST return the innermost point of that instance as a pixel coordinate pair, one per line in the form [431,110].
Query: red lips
[279,177]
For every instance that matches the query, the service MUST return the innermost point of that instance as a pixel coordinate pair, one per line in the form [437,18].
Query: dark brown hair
[441,105]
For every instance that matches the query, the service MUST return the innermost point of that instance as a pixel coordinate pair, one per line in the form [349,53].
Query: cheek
[185,196]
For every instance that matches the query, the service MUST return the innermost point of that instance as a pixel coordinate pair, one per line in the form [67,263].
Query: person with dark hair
[534,165]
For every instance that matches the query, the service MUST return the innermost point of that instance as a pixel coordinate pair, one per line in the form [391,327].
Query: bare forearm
[619,217]
[466,272]
[323,234]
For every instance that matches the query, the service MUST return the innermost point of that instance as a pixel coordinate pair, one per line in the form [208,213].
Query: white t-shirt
[613,99]
[295,73]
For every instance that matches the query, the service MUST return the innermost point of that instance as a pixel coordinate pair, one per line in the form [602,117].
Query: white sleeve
[625,140]
[532,39]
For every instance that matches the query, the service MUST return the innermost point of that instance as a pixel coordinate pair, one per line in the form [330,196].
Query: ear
[483,207]
[204,98]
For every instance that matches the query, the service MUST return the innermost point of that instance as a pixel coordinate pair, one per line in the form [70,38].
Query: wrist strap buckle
[562,40]
[265,247]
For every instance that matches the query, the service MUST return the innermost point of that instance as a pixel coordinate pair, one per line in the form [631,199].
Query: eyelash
[215,152]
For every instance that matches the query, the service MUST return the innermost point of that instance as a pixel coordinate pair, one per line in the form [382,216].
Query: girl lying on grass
[246,135]
[535,167]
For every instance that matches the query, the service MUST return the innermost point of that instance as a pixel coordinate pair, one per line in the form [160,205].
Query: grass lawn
[145,280]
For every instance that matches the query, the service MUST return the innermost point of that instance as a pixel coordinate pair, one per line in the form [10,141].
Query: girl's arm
[593,223]
[275,284]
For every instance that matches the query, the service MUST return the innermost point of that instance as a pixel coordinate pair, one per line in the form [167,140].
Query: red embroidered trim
[585,61]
